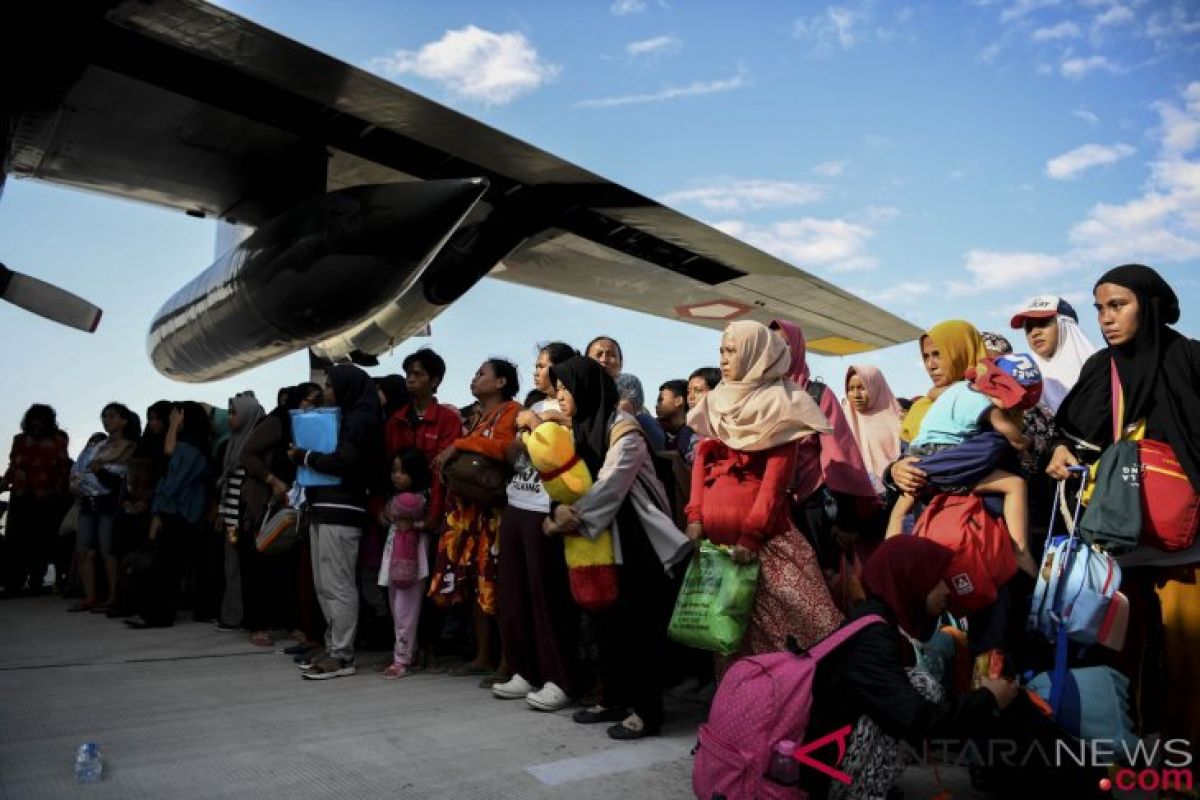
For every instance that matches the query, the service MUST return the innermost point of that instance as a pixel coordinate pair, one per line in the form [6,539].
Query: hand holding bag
[714,605]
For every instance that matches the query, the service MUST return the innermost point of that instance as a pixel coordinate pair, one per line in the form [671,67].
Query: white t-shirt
[525,489]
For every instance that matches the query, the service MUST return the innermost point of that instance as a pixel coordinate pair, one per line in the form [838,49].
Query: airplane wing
[186,105]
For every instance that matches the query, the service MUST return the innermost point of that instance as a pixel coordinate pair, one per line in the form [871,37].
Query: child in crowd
[405,555]
[992,398]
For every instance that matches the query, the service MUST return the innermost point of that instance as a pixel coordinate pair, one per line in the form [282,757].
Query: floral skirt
[792,598]
[875,760]
[465,562]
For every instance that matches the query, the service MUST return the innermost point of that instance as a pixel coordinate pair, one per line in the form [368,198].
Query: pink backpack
[761,700]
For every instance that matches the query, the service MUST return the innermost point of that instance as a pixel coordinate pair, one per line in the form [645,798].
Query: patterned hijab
[760,407]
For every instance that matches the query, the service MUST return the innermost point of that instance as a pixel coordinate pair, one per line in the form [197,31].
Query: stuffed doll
[590,564]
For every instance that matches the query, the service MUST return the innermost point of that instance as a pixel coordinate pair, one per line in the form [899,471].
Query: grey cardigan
[628,472]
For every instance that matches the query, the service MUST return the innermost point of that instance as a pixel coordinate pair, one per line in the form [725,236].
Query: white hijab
[1060,372]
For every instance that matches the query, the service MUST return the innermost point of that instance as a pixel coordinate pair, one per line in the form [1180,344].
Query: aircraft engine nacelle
[311,273]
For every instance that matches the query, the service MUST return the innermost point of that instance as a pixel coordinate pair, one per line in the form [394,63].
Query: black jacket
[866,676]
[359,458]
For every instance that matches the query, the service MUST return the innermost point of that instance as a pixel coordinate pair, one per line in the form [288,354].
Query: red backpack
[761,700]
[983,551]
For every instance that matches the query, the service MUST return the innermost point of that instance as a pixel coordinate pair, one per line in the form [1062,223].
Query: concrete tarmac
[190,712]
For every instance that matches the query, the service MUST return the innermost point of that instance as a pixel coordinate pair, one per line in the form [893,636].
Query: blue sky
[942,159]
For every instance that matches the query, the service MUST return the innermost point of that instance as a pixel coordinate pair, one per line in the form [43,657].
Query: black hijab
[395,393]
[1159,371]
[595,395]
[355,391]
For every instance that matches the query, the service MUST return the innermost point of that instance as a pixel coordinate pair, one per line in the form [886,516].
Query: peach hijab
[760,408]
[877,429]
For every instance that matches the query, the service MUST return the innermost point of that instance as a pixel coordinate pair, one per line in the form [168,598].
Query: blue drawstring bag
[316,430]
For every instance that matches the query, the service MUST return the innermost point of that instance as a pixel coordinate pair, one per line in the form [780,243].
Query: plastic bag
[713,608]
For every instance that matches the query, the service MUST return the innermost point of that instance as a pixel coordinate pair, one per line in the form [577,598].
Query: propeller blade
[48,301]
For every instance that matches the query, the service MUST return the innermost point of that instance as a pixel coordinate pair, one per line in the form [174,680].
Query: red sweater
[741,498]
[431,434]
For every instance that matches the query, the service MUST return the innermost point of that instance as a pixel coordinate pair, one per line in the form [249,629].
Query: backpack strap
[833,640]
[1118,399]
[621,429]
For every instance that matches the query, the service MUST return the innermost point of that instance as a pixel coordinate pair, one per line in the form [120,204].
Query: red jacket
[739,497]
[430,434]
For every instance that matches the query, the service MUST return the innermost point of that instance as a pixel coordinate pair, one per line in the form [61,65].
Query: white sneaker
[512,689]
[548,698]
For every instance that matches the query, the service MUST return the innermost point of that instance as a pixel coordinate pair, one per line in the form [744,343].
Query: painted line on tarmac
[624,758]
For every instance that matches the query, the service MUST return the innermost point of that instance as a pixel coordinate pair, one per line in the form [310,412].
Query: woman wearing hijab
[244,414]
[338,514]
[829,467]
[755,424]
[628,499]
[633,400]
[1159,373]
[868,681]
[1058,346]
[269,592]
[179,503]
[948,349]
[873,415]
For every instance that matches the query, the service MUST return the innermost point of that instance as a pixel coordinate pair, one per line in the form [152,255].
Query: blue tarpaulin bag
[1076,592]
[316,430]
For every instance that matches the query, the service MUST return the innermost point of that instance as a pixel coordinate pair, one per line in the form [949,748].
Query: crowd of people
[755,455]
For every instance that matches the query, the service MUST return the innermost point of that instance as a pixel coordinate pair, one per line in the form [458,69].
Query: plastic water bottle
[784,768]
[88,766]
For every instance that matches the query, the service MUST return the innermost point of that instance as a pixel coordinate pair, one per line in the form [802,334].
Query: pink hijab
[877,429]
[830,458]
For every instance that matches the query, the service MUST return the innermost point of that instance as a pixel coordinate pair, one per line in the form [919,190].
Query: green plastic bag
[713,608]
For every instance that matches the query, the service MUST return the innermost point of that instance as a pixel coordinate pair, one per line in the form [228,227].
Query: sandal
[395,671]
[262,639]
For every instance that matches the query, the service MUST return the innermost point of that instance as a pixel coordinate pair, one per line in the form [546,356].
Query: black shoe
[590,716]
[624,734]
[225,627]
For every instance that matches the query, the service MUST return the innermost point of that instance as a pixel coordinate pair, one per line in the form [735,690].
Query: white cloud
[876,141]
[835,244]
[876,214]
[957,175]
[1087,116]
[1169,27]
[623,8]
[1071,164]
[671,92]
[1116,15]
[837,28]
[1063,30]
[896,293]
[475,64]
[1076,68]
[830,169]
[992,270]
[1023,8]
[1163,223]
[659,45]
[731,195]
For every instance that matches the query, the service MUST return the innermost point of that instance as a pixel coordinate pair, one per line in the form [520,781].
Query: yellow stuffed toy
[590,564]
